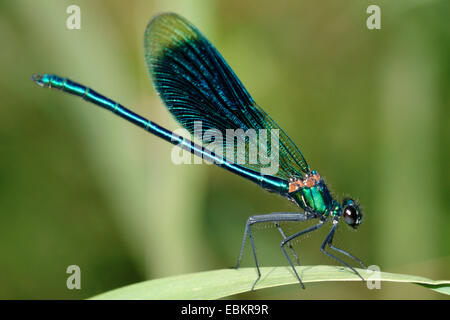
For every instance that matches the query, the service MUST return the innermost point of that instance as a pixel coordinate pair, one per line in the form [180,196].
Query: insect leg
[345,252]
[290,245]
[328,240]
[271,217]
[310,229]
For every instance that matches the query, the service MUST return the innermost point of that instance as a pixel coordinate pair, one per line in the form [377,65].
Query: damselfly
[196,84]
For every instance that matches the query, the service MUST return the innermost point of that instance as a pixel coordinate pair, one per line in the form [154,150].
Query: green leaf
[226,282]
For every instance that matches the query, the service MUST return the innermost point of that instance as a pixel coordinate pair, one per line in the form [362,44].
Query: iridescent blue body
[270,183]
[196,84]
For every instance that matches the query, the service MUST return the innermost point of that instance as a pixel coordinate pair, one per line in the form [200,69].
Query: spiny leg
[248,231]
[330,244]
[328,240]
[271,217]
[244,238]
[289,244]
[298,234]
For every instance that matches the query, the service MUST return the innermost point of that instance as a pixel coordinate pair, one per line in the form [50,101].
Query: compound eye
[350,215]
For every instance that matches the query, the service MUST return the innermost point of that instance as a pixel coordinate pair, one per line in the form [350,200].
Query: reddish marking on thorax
[309,181]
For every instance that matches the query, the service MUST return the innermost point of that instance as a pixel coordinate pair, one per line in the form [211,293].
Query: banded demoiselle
[196,84]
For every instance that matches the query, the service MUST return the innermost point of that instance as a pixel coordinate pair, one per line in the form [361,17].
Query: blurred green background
[369,109]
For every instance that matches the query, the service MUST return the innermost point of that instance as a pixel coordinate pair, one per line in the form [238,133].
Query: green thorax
[316,199]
